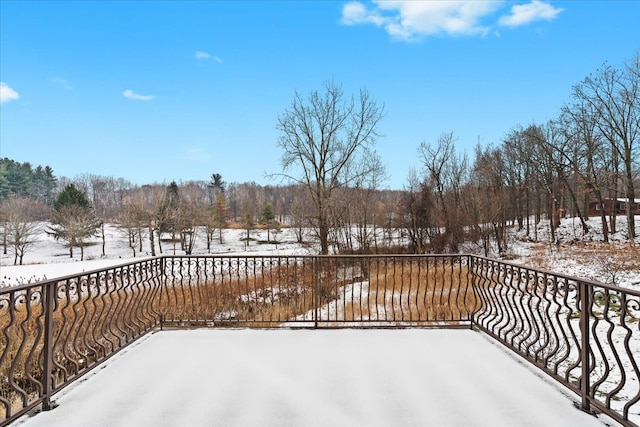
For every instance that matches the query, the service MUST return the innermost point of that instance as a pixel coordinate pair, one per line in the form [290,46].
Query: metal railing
[584,334]
[53,332]
[402,290]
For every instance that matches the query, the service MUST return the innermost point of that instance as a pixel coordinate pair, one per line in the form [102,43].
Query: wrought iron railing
[402,290]
[582,333]
[53,332]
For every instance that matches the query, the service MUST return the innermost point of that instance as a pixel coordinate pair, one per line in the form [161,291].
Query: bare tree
[363,201]
[132,221]
[220,214]
[74,224]
[446,171]
[74,219]
[321,137]
[20,226]
[416,212]
[560,152]
[487,201]
[614,95]
[192,212]
[590,164]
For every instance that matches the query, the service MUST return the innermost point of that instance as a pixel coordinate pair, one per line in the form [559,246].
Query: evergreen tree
[217,183]
[267,217]
[71,196]
[5,190]
[21,180]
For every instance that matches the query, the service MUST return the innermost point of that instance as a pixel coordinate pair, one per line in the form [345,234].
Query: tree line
[24,181]
[333,178]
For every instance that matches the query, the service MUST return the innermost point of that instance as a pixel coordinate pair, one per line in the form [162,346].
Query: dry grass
[409,292]
[610,260]
[19,363]
[264,296]
[347,290]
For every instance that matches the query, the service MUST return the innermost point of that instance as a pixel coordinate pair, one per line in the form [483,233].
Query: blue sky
[160,91]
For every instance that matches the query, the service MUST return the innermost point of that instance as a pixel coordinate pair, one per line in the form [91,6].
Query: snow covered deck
[408,377]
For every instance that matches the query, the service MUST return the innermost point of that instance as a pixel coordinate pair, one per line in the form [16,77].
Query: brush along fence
[584,334]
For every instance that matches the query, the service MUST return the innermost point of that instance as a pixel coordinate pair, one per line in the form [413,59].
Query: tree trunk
[631,227]
[603,218]
[160,241]
[104,242]
[576,206]
[151,242]
[323,234]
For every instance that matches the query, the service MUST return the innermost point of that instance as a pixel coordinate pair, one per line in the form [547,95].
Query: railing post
[163,286]
[47,348]
[315,294]
[585,312]
[471,284]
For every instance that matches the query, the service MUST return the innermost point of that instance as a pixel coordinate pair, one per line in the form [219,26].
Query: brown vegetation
[611,260]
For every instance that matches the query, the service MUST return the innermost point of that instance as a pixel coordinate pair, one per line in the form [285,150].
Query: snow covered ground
[325,378]
[579,255]
[575,255]
[48,258]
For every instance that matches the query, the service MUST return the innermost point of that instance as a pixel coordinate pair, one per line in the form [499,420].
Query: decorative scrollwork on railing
[540,316]
[90,316]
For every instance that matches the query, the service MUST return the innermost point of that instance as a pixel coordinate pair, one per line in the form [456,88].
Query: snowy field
[49,258]
[574,255]
[325,378]
[583,256]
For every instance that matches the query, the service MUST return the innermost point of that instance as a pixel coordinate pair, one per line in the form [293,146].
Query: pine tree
[5,190]
[168,213]
[267,217]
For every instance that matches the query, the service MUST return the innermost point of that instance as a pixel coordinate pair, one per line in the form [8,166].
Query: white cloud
[409,20]
[7,93]
[412,20]
[205,55]
[62,82]
[524,14]
[129,94]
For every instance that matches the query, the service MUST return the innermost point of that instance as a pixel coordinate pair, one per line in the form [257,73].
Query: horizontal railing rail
[582,333]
